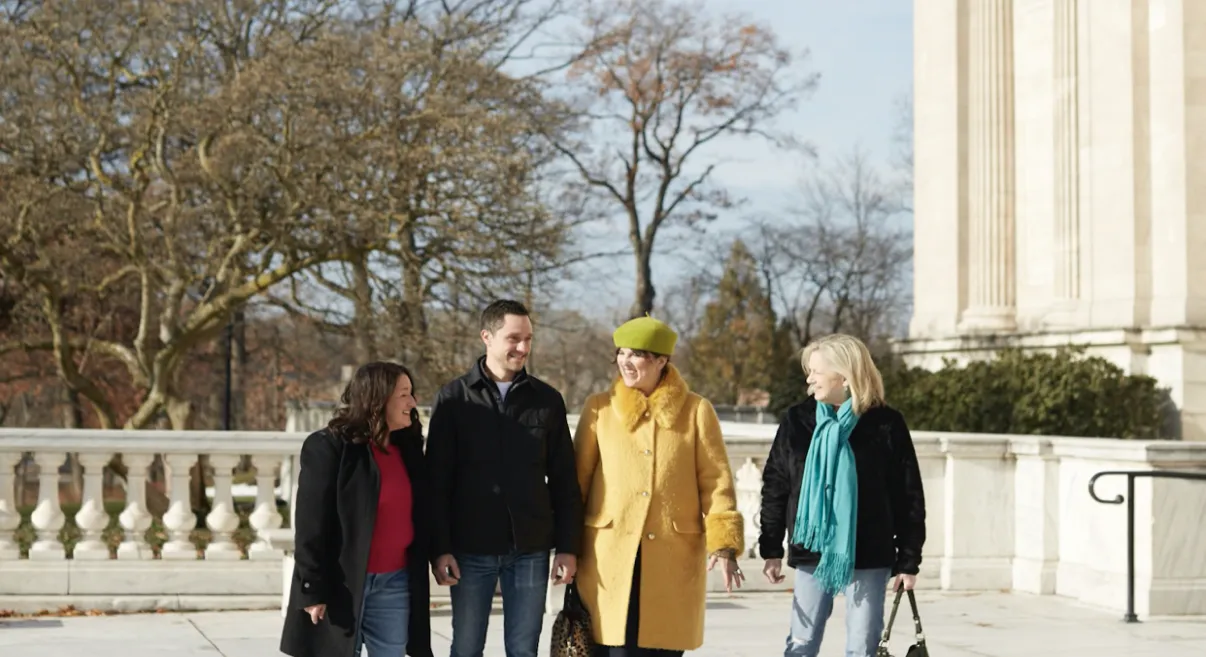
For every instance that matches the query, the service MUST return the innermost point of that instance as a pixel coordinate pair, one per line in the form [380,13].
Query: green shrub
[1064,393]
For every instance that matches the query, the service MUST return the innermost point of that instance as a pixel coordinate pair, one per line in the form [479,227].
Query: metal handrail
[1131,475]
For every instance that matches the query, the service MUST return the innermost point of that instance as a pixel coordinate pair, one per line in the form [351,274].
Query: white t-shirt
[503,387]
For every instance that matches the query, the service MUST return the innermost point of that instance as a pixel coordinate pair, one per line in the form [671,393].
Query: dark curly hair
[360,417]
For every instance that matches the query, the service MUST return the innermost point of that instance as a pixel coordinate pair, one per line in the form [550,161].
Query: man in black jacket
[504,489]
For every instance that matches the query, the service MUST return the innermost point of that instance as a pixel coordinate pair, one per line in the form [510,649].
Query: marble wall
[1014,513]
[1060,197]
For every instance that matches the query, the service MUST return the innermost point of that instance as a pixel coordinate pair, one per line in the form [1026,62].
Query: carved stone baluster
[92,518]
[748,486]
[135,519]
[222,519]
[10,518]
[47,517]
[179,519]
[265,517]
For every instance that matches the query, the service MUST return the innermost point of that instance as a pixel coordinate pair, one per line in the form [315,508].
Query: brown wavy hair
[360,417]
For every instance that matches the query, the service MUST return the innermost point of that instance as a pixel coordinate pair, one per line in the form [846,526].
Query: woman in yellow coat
[660,508]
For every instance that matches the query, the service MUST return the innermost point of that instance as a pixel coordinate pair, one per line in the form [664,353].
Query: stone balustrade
[133,574]
[1004,513]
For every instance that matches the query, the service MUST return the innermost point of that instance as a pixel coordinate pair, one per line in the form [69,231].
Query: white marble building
[1060,173]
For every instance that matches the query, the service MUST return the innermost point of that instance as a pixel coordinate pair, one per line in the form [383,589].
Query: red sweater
[394,530]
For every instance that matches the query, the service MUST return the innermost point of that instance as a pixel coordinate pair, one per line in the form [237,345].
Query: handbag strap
[916,618]
[573,599]
[887,634]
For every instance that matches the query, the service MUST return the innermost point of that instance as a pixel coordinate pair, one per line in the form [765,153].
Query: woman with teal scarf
[842,486]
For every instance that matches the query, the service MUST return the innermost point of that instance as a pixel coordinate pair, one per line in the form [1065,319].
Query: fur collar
[664,404]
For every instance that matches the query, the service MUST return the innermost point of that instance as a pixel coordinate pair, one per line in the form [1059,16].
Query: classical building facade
[1060,184]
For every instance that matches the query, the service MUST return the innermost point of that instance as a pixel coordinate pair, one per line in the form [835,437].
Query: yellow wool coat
[655,474]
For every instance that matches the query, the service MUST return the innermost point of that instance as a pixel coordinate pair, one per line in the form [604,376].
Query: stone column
[992,288]
[1067,156]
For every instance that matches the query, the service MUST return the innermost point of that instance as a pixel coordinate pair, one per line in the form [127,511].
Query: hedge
[1064,393]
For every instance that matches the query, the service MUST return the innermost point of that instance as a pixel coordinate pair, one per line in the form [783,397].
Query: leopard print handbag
[571,634]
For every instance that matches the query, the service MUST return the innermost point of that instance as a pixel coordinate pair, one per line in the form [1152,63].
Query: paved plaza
[751,625]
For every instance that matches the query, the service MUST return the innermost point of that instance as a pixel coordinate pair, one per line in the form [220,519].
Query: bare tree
[162,144]
[163,165]
[457,180]
[574,354]
[842,263]
[659,84]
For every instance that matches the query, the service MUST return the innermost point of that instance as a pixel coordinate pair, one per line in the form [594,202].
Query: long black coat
[890,529]
[338,487]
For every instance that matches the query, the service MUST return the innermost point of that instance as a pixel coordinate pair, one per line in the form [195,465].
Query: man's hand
[565,566]
[773,569]
[446,572]
[316,612]
[903,580]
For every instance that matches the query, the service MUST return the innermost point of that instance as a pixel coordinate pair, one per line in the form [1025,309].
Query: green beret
[645,334]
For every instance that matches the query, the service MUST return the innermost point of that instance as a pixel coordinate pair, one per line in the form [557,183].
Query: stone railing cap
[150,441]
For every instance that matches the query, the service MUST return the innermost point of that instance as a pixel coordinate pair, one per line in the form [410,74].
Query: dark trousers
[524,578]
[631,630]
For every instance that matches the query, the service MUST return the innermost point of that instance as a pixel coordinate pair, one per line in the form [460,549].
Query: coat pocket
[598,521]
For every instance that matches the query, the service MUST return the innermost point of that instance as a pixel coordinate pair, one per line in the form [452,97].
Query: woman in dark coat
[843,486]
[361,527]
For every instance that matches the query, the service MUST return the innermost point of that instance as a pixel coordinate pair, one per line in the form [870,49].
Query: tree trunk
[73,418]
[364,320]
[643,304]
[238,371]
[414,320]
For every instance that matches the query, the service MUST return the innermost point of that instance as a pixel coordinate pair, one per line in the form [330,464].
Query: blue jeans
[525,581]
[384,615]
[811,607]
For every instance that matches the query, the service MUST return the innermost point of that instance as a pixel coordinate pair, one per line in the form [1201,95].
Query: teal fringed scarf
[828,509]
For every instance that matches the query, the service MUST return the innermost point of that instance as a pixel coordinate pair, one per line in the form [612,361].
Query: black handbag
[571,633]
[917,649]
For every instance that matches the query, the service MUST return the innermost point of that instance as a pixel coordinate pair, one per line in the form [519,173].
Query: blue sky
[863,50]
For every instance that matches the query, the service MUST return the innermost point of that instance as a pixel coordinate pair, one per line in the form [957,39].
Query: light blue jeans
[811,607]
[385,615]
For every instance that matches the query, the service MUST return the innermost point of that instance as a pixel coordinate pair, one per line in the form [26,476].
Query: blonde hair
[849,357]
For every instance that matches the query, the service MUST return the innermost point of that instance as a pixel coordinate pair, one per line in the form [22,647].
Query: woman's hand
[773,569]
[316,612]
[732,572]
[905,581]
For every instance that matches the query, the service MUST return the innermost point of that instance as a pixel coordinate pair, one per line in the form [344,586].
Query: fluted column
[991,251]
[1067,155]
